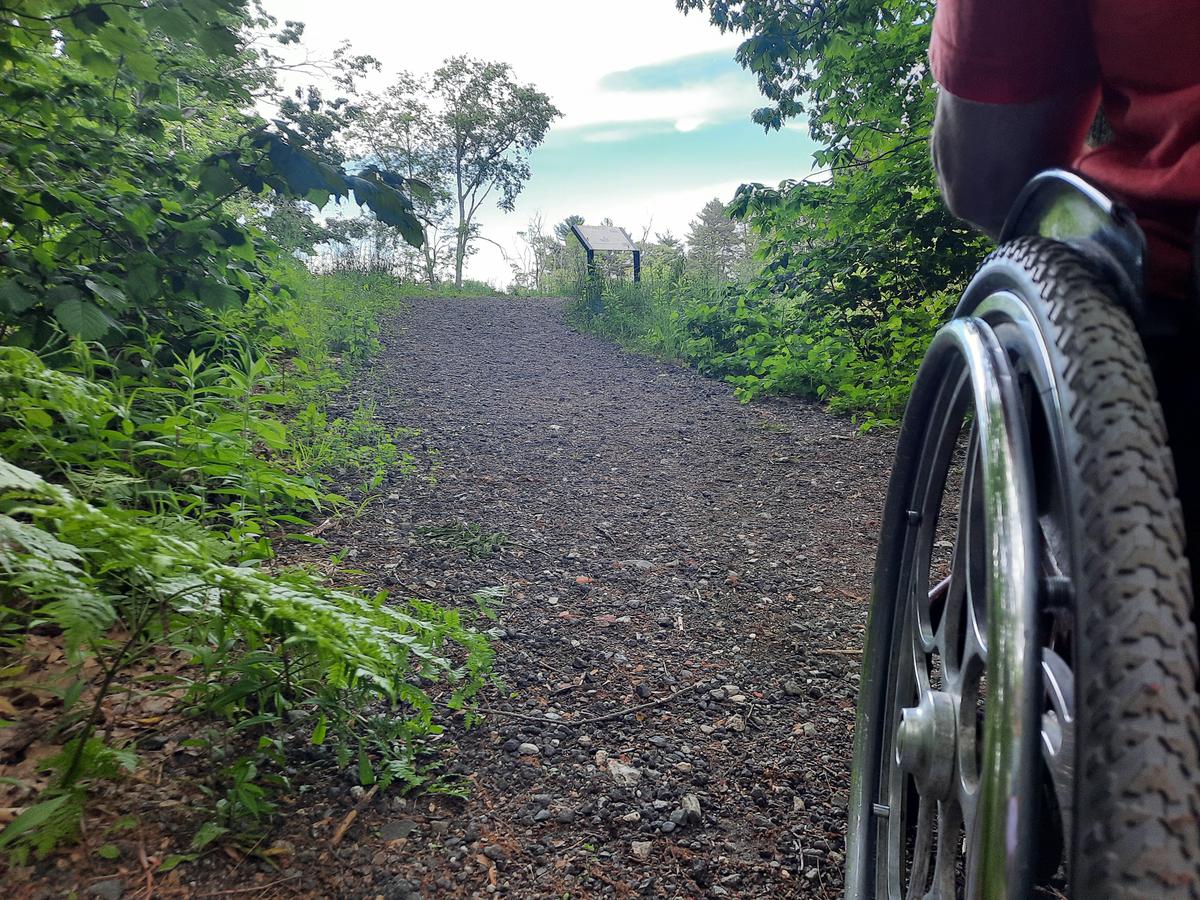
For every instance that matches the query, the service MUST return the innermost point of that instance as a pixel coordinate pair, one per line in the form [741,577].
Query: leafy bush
[165,369]
[138,503]
[860,361]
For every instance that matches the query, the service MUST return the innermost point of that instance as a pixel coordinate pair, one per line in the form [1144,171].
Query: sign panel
[603,237]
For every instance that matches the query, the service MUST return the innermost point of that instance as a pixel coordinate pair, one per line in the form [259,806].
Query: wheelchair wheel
[1027,717]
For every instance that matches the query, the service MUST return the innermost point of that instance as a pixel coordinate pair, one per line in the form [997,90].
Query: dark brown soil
[699,564]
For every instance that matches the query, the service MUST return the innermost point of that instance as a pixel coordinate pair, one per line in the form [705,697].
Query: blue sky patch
[673,74]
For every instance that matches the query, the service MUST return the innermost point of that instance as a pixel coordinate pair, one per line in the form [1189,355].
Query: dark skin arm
[985,152]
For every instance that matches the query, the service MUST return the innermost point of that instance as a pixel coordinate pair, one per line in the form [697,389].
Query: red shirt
[1142,57]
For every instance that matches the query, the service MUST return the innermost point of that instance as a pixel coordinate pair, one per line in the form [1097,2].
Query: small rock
[108,889]
[667,827]
[642,691]
[707,729]
[495,853]
[793,688]
[679,817]
[511,745]
[798,804]
[623,774]
[601,759]
[528,749]
[585,741]
[736,723]
[664,621]
[632,817]
[358,792]
[565,816]
[541,815]
[691,806]
[642,565]
[395,831]
[731,689]
[641,849]
[809,729]
[812,874]
[684,767]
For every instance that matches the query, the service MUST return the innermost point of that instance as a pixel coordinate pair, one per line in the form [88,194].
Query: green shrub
[140,494]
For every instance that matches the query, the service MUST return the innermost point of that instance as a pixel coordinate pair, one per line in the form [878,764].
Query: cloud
[671,74]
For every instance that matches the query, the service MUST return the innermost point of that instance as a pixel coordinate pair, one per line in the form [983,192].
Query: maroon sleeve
[1012,51]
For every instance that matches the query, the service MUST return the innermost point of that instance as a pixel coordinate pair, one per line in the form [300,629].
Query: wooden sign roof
[603,237]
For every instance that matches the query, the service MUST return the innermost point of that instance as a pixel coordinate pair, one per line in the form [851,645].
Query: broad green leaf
[110,294]
[15,297]
[82,319]
[217,296]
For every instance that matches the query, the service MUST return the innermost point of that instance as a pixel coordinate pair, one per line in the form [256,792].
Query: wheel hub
[925,742]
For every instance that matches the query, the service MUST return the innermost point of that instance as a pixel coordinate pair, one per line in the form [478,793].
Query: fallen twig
[533,549]
[352,815]
[832,652]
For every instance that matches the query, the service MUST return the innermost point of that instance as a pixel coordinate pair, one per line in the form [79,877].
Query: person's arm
[1019,86]
[984,153]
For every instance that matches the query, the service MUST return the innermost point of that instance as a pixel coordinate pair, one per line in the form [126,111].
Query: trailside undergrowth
[860,362]
[141,497]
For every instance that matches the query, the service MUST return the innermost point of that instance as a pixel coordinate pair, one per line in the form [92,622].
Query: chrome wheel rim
[955,796]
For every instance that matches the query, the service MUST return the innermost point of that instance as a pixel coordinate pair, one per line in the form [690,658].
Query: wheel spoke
[949,852]
[922,848]
[1058,735]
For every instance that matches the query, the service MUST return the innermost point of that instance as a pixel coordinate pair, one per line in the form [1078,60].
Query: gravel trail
[688,582]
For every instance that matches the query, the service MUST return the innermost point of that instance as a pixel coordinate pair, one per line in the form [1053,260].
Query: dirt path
[661,537]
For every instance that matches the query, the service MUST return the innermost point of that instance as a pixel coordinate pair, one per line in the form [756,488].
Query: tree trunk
[460,244]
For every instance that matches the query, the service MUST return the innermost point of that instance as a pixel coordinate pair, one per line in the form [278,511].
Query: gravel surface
[687,587]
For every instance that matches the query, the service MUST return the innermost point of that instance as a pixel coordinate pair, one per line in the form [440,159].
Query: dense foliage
[165,375]
[860,260]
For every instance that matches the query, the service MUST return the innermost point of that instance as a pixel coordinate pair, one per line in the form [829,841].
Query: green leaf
[208,833]
[142,281]
[31,819]
[366,774]
[216,180]
[420,190]
[176,859]
[110,294]
[109,851]
[15,297]
[98,62]
[318,735]
[217,296]
[83,319]
[38,418]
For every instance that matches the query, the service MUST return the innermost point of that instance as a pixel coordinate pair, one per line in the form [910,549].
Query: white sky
[566,47]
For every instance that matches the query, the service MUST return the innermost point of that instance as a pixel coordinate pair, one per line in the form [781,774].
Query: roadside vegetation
[170,420]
